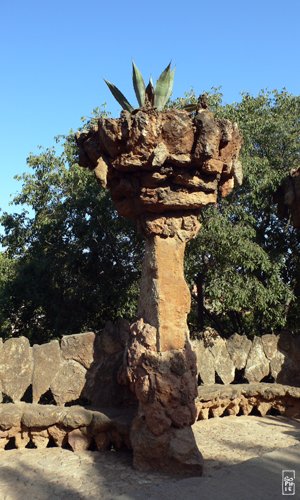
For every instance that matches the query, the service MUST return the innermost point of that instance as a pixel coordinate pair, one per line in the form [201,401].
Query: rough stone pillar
[165,299]
[162,168]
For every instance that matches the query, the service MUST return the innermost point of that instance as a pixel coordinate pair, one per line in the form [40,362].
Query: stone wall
[79,368]
[271,358]
[84,368]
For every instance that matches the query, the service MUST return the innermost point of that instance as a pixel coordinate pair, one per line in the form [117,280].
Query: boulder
[10,415]
[289,346]
[79,347]
[47,361]
[276,364]
[175,451]
[16,367]
[79,440]
[238,347]
[223,364]
[76,416]
[270,345]
[205,362]
[69,382]
[257,366]
[35,415]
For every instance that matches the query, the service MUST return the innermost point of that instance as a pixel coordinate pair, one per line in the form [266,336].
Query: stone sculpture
[162,167]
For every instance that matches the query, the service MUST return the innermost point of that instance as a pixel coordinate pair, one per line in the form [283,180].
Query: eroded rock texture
[165,386]
[161,169]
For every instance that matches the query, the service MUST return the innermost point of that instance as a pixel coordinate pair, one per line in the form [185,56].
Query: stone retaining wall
[244,399]
[78,368]
[32,425]
[83,368]
[272,358]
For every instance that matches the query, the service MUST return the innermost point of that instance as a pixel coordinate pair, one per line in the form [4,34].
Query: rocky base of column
[165,386]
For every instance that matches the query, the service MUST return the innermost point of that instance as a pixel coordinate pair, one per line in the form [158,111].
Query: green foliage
[138,84]
[119,96]
[147,96]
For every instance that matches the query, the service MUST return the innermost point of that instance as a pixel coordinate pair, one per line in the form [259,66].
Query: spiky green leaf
[149,94]
[119,96]
[171,83]
[138,84]
[163,88]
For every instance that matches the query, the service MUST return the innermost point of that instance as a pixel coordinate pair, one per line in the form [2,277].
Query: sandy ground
[54,473]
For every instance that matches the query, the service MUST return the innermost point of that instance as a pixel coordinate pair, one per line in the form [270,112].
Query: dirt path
[54,473]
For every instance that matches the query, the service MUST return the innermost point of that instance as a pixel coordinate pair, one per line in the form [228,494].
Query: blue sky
[55,54]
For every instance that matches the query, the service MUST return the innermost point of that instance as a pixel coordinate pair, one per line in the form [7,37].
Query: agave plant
[150,96]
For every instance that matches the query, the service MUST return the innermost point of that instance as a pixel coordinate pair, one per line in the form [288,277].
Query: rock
[58,434]
[163,304]
[46,362]
[76,416]
[16,367]
[109,340]
[101,172]
[10,415]
[102,441]
[39,437]
[184,450]
[3,442]
[208,137]
[156,418]
[223,364]
[212,166]
[35,415]
[270,345]
[238,347]
[69,382]
[263,408]
[186,179]
[257,366]
[89,147]
[101,387]
[160,154]
[177,132]
[116,440]
[79,347]
[289,347]
[160,199]
[276,365]
[205,362]
[101,423]
[122,329]
[233,408]
[79,440]
[22,439]
[173,452]
[226,186]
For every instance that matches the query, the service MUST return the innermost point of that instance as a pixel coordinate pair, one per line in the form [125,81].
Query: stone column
[161,366]
[165,299]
